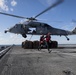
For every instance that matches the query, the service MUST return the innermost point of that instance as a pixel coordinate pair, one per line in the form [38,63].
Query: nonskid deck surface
[19,61]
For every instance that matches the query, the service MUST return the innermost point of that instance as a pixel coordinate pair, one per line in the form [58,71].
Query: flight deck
[19,61]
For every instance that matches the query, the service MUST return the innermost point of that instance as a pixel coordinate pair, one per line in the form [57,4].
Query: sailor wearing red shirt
[48,39]
[42,39]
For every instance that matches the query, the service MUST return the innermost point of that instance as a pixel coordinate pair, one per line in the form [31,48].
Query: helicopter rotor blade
[34,18]
[12,15]
[55,4]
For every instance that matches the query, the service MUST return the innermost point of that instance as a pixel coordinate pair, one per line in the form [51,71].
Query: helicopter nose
[5,31]
[11,29]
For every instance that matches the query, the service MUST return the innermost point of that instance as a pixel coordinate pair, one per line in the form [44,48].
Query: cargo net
[35,44]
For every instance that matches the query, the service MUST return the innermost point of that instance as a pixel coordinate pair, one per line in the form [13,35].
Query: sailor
[41,42]
[48,40]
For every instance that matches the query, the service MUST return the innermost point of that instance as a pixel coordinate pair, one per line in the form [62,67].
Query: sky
[61,16]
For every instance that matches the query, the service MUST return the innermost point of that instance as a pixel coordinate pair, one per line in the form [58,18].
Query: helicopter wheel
[67,38]
[24,35]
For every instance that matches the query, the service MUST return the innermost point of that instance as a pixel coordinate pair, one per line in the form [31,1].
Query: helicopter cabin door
[41,29]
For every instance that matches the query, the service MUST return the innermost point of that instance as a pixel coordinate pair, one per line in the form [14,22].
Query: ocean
[3,46]
[67,45]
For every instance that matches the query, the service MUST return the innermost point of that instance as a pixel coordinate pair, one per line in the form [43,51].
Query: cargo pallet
[34,44]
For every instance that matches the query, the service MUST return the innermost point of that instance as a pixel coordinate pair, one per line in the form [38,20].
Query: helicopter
[33,27]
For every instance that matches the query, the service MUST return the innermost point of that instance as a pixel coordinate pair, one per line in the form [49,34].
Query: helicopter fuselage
[37,28]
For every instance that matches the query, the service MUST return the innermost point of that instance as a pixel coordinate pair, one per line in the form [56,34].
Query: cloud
[11,39]
[13,3]
[16,39]
[1,34]
[3,5]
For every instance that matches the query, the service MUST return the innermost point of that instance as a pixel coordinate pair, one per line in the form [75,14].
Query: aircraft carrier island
[20,61]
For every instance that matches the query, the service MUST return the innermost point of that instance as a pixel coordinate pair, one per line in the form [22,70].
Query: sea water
[67,45]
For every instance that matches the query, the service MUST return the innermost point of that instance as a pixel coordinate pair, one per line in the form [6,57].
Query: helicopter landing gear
[67,38]
[24,35]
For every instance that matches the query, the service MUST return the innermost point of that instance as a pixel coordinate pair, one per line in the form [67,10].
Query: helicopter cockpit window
[15,26]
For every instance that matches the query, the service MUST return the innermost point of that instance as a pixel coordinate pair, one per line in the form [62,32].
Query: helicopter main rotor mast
[34,18]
